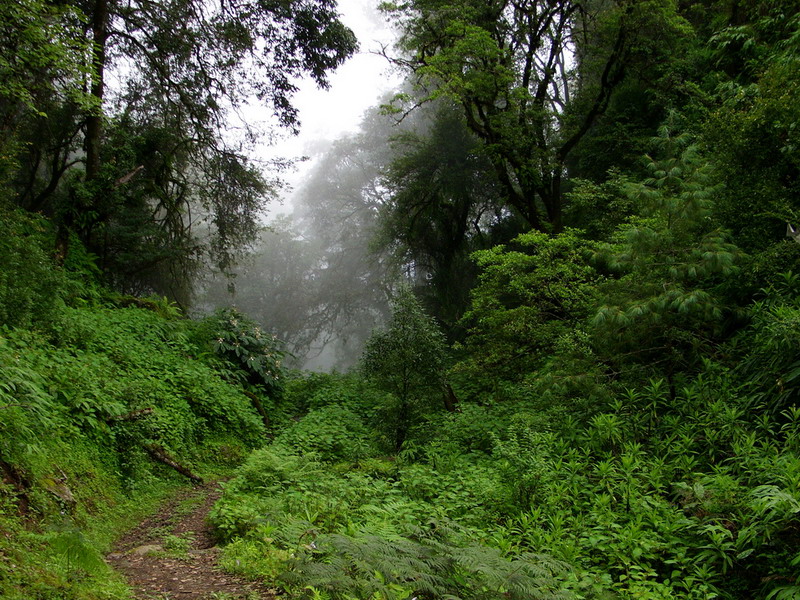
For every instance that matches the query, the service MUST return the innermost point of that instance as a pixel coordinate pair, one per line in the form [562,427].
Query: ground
[173,555]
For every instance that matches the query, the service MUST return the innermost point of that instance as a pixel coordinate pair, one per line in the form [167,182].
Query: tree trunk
[450,399]
[259,407]
[401,432]
[94,121]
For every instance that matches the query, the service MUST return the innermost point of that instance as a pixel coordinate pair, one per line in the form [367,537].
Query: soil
[173,555]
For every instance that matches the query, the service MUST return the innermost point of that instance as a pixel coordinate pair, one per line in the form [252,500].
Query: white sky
[356,87]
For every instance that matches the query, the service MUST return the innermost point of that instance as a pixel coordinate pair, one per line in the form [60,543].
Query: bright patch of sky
[356,87]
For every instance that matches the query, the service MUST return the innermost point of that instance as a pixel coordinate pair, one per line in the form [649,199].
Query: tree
[530,293]
[406,359]
[323,310]
[168,147]
[532,76]
[199,63]
[663,307]
[338,211]
[443,203]
[754,137]
[41,59]
[313,276]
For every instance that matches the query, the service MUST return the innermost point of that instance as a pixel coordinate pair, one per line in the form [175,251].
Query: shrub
[407,360]
[32,288]
[334,433]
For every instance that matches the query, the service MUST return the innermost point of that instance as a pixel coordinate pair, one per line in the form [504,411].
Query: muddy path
[172,555]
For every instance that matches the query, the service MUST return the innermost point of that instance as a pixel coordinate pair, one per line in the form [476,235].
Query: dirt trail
[172,554]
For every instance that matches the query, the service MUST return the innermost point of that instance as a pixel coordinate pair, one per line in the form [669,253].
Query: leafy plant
[529,294]
[178,546]
[407,360]
[334,433]
[661,308]
[254,355]
[427,564]
[32,288]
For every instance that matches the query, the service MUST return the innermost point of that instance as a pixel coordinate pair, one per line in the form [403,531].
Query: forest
[531,332]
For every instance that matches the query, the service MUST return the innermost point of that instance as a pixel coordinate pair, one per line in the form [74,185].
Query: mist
[316,278]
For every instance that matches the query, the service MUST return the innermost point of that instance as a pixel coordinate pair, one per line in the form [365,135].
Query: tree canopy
[146,153]
[532,78]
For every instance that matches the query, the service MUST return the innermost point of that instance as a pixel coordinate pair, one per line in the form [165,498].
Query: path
[172,555]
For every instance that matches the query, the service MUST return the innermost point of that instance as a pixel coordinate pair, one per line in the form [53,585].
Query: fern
[427,564]
[71,547]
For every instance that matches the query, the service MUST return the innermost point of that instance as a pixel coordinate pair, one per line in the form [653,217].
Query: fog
[313,278]
[316,278]
[329,259]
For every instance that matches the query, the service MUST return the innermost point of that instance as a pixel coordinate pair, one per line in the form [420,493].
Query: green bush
[32,288]
[251,354]
[334,433]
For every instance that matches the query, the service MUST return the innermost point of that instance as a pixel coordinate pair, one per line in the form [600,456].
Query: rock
[148,549]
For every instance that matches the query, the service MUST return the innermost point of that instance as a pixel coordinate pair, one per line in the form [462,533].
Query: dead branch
[126,178]
[158,454]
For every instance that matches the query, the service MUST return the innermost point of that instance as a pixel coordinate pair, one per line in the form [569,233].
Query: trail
[172,555]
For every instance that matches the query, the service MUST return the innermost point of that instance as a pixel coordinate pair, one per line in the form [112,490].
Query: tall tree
[168,145]
[443,203]
[313,278]
[531,77]
[41,65]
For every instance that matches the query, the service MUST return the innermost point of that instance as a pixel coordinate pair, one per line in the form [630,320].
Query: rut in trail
[172,555]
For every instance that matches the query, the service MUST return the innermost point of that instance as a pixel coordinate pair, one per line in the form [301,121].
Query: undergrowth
[98,394]
[649,498]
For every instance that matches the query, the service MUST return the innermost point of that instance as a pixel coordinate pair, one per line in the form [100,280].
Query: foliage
[406,359]
[443,203]
[653,497]
[80,404]
[669,259]
[291,515]
[31,288]
[313,276]
[42,54]
[772,364]
[426,564]
[254,356]
[143,171]
[506,65]
[527,296]
[623,417]
[600,208]
[333,432]
[754,137]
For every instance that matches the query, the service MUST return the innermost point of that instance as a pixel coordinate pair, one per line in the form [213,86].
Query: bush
[32,288]
[334,433]
[406,360]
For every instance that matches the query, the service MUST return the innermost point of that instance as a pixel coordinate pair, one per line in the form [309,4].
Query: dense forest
[557,273]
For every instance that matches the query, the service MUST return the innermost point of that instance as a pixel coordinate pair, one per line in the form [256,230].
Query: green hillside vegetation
[555,481]
[585,263]
[98,391]
[530,491]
